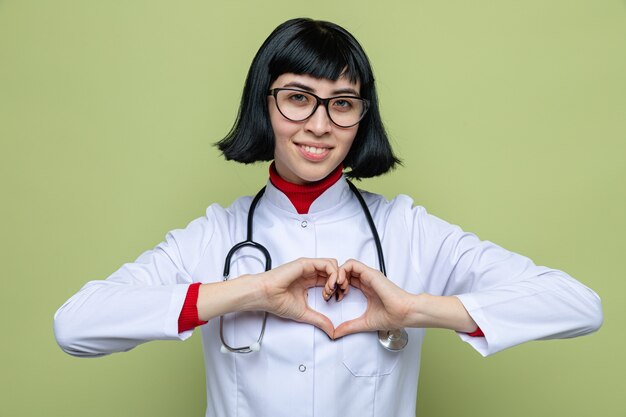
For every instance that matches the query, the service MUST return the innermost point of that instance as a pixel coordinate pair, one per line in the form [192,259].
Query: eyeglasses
[298,105]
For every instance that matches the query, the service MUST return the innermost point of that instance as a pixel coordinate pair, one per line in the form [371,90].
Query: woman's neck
[302,196]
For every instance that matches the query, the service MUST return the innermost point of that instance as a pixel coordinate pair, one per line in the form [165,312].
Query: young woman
[352,279]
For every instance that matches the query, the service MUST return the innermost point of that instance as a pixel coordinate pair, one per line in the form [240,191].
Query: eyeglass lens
[300,105]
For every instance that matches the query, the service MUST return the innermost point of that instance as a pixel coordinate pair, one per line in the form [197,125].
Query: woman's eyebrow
[304,87]
[300,86]
[346,91]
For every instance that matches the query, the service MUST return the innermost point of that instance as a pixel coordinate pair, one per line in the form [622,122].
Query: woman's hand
[389,307]
[282,291]
[285,290]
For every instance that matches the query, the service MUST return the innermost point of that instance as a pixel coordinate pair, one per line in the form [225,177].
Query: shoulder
[402,210]
[380,205]
[238,207]
[375,201]
[216,217]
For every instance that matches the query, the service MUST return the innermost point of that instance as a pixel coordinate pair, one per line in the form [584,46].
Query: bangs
[320,53]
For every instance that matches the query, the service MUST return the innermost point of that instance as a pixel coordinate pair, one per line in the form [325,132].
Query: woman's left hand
[388,306]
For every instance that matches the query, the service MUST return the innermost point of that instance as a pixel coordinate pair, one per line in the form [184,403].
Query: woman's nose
[319,123]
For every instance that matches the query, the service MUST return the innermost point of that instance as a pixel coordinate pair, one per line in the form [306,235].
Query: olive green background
[510,117]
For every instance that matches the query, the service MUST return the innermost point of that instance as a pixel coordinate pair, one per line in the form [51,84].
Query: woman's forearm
[446,312]
[216,299]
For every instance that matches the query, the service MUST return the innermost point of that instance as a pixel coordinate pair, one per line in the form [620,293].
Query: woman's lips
[313,153]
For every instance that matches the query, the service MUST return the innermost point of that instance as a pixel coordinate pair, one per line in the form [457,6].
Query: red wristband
[188,318]
[477,333]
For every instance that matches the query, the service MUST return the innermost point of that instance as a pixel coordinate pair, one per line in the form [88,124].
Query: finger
[351,326]
[343,284]
[339,294]
[317,271]
[328,279]
[356,269]
[331,285]
[365,275]
[318,320]
[325,265]
[329,291]
[343,287]
[331,271]
[334,262]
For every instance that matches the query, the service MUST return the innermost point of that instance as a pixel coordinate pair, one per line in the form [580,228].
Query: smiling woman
[309,105]
[315,54]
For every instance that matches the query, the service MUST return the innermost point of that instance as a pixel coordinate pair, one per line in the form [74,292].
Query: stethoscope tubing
[268,265]
[393,340]
[370,222]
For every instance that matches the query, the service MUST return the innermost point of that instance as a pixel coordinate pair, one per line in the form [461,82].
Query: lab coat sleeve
[510,298]
[139,302]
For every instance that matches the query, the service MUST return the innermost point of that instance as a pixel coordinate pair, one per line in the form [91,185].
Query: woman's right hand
[285,290]
[282,291]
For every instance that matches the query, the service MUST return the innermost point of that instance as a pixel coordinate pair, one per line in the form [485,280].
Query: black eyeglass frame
[274,91]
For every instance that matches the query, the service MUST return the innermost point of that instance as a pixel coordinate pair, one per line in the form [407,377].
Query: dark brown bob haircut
[322,50]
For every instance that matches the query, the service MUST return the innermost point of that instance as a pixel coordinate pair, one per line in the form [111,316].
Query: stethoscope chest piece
[393,339]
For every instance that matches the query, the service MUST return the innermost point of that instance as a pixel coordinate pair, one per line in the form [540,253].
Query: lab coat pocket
[362,354]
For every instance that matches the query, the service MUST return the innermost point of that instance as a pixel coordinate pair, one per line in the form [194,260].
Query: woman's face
[309,150]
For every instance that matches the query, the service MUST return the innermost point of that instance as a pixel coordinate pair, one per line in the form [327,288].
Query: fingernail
[334,292]
[337,296]
[335,286]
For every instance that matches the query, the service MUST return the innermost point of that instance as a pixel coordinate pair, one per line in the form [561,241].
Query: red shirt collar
[302,196]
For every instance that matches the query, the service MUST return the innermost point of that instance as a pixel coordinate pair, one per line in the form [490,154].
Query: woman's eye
[343,104]
[298,98]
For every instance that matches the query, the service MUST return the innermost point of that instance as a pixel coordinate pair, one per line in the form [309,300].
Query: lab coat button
[304,224]
[302,368]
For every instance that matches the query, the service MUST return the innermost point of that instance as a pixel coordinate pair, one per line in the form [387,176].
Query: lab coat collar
[330,199]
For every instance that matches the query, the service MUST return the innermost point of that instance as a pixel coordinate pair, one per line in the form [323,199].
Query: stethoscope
[393,340]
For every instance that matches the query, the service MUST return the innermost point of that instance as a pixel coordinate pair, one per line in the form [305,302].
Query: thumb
[319,320]
[351,326]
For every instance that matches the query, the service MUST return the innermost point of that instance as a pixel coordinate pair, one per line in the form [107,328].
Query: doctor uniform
[299,371]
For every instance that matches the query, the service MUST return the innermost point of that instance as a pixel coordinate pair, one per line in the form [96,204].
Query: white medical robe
[299,371]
